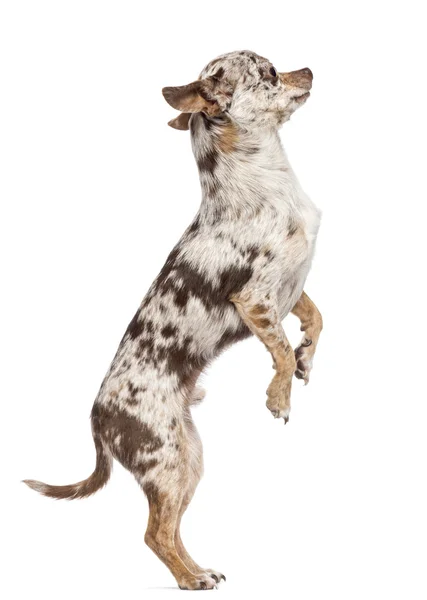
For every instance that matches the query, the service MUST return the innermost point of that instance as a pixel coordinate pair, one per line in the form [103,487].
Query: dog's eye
[273,72]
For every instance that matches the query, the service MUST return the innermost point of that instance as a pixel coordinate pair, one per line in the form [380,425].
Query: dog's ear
[210,95]
[191,98]
[181,121]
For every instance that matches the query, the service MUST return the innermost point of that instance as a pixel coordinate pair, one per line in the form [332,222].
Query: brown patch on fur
[131,401]
[292,228]
[135,327]
[142,467]
[152,492]
[253,253]
[133,389]
[228,138]
[208,162]
[218,74]
[261,323]
[126,436]
[193,282]
[169,330]
[259,309]
[145,347]
[195,225]
[256,313]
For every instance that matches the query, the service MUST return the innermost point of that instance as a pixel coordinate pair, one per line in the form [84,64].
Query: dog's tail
[84,488]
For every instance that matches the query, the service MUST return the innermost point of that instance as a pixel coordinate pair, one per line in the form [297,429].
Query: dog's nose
[307,72]
[301,78]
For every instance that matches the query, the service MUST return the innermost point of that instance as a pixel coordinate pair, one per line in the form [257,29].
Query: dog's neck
[240,171]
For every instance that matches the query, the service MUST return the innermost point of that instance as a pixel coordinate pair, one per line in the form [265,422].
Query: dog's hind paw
[198,582]
[218,577]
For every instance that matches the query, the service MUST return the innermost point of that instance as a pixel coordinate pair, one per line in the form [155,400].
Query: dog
[238,270]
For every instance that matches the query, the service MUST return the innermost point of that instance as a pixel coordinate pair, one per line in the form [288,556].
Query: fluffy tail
[84,488]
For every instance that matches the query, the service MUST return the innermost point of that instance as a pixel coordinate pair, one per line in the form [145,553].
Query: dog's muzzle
[301,80]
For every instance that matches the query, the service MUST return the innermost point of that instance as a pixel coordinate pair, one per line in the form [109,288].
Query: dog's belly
[291,290]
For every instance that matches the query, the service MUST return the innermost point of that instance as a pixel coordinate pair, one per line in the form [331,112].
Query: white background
[96,190]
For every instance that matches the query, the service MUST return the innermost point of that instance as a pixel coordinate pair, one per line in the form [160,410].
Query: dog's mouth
[299,84]
[302,98]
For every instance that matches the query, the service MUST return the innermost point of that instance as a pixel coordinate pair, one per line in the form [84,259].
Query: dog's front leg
[260,314]
[311,324]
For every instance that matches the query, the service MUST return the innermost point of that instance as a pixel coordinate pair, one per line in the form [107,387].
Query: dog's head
[245,86]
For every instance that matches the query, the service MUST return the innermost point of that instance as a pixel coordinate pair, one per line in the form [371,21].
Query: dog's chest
[295,238]
[296,231]
[294,219]
[309,219]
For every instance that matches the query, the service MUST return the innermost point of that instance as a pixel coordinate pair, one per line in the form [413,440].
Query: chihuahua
[238,269]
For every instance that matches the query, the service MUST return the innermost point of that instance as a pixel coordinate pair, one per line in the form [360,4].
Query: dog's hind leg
[159,458]
[196,471]
[164,513]
[167,490]
[311,325]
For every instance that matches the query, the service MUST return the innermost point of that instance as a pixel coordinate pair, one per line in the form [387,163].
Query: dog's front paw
[304,357]
[279,397]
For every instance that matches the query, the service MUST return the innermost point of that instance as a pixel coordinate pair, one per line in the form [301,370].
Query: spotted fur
[237,270]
